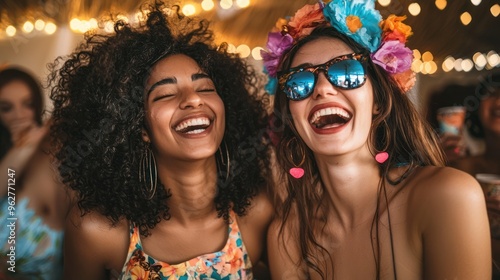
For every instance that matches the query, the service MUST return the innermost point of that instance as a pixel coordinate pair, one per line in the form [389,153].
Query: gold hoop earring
[221,157]
[297,172]
[148,173]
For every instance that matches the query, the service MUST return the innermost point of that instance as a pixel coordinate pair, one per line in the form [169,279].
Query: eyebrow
[167,81]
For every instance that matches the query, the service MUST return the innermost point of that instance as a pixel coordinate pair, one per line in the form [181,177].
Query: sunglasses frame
[283,76]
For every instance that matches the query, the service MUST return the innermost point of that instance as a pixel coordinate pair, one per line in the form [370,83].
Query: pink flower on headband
[305,20]
[393,56]
[277,44]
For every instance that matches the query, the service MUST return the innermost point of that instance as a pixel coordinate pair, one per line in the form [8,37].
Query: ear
[145,135]
[376,109]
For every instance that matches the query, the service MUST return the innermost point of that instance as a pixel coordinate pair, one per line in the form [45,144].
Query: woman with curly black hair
[162,135]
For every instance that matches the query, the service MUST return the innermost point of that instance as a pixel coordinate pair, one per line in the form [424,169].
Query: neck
[351,182]
[192,186]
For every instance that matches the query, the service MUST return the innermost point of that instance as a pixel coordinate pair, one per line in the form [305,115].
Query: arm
[19,155]
[284,263]
[92,246]
[455,229]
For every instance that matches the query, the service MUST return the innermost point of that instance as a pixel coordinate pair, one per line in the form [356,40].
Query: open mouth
[193,126]
[329,118]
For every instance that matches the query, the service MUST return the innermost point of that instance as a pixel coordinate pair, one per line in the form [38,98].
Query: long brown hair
[397,129]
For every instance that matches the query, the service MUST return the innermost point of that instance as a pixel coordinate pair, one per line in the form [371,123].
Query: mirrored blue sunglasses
[345,72]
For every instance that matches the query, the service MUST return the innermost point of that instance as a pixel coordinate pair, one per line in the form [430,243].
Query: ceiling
[437,31]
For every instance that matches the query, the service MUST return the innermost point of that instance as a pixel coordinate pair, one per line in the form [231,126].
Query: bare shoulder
[443,190]
[260,210]
[443,180]
[93,245]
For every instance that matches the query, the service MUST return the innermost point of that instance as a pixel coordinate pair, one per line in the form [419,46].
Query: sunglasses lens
[347,74]
[299,85]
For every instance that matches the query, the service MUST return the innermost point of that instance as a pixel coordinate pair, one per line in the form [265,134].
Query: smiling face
[489,113]
[331,121]
[184,114]
[16,107]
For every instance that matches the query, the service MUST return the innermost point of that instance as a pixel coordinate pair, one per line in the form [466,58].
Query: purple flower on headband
[393,56]
[277,44]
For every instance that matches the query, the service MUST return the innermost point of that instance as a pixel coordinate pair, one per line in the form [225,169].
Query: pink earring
[381,157]
[297,172]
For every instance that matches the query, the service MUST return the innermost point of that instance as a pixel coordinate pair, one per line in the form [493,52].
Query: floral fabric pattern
[231,263]
[38,248]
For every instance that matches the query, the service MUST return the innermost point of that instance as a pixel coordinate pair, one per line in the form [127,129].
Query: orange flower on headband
[394,29]
[405,80]
[278,26]
[305,20]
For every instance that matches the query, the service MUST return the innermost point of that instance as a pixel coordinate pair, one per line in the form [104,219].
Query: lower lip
[197,135]
[330,130]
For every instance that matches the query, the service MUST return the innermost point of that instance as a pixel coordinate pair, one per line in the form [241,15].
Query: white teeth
[192,122]
[329,111]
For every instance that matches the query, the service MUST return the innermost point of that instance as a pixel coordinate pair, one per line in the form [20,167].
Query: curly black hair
[99,112]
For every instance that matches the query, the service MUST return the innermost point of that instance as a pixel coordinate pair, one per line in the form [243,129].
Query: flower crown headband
[359,20]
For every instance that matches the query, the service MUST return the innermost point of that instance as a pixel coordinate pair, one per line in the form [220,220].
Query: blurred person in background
[33,200]
[487,127]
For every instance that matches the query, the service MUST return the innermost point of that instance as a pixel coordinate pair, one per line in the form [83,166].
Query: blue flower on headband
[358,20]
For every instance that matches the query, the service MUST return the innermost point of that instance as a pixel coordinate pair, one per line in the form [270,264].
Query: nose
[323,87]
[191,99]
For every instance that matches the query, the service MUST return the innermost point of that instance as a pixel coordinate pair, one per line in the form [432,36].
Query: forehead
[173,66]
[15,90]
[320,51]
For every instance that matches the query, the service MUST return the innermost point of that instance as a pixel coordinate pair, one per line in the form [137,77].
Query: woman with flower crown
[366,192]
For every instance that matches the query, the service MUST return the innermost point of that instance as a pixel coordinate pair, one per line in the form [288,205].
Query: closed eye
[164,96]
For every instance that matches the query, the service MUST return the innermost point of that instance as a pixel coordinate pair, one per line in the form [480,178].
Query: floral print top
[37,247]
[231,263]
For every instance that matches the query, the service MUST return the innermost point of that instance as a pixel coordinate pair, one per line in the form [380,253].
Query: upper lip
[192,120]
[328,109]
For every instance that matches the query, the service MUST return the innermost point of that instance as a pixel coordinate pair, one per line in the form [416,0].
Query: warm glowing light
[74,24]
[243,50]
[93,23]
[416,54]
[479,60]
[207,5]
[495,10]
[109,27]
[384,3]
[441,4]
[256,53]
[243,3]
[467,65]
[188,10]
[28,27]
[466,18]
[433,67]
[231,48]
[493,58]
[475,2]
[416,66]
[458,65]
[10,30]
[50,28]
[414,9]
[427,56]
[449,64]
[226,4]
[39,24]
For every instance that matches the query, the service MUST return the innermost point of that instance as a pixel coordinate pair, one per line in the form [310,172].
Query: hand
[24,136]
[453,146]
